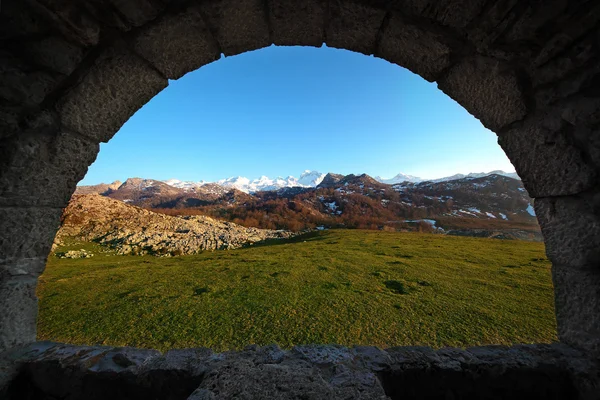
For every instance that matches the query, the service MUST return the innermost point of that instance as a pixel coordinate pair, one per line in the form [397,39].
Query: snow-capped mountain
[184,184]
[474,175]
[261,184]
[400,178]
[307,179]
[310,178]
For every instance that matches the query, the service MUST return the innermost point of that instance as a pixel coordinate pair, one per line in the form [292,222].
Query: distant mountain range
[491,205]
[308,179]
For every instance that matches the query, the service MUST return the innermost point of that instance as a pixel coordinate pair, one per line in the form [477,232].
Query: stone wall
[49,370]
[73,72]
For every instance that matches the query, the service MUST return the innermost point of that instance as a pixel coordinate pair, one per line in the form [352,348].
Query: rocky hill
[102,188]
[493,205]
[134,230]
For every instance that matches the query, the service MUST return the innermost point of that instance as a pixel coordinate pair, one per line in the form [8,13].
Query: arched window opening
[299,195]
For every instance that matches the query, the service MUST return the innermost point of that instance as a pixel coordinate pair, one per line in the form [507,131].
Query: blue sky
[280,110]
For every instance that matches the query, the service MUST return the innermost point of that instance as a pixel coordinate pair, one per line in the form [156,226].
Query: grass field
[347,287]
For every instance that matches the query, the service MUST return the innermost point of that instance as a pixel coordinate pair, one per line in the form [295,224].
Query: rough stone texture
[177,44]
[487,89]
[583,113]
[138,12]
[18,309]
[490,25]
[27,232]
[116,86]
[353,26]
[9,121]
[17,19]
[456,14]
[22,266]
[409,46]
[577,302]
[573,58]
[547,158]
[238,27]
[571,228]
[21,83]
[68,17]
[42,167]
[297,22]
[50,370]
[53,52]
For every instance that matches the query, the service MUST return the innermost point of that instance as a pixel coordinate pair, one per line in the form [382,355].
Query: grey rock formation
[133,230]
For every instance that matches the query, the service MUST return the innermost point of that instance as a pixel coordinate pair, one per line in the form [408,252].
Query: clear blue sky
[281,110]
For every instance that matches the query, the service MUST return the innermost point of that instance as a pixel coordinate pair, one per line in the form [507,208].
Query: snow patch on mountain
[307,179]
[311,179]
[415,179]
[399,179]
[184,184]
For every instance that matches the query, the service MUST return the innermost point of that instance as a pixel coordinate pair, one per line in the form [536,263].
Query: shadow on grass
[304,237]
[397,287]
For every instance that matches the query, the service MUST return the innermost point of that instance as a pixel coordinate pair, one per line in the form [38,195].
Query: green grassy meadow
[340,286]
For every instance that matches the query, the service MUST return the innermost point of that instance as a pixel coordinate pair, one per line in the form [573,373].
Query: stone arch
[74,72]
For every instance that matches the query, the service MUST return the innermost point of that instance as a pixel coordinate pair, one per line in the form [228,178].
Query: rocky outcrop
[75,254]
[133,230]
[102,188]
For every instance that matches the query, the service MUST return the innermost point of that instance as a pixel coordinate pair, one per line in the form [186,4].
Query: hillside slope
[493,205]
[134,230]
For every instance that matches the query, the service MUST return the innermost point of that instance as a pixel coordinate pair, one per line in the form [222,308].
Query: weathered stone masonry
[72,72]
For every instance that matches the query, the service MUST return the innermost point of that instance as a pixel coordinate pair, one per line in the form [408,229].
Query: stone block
[68,17]
[22,266]
[16,19]
[487,89]
[577,302]
[297,22]
[123,14]
[572,59]
[574,29]
[585,82]
[353,26]
[43,168]
[23,84]
[421,51]
[546,159]
[9,121]
[26,233]
[237,26]
[571,228]
[491,24]
[54,53]
[18,310]
[138,12]
[456,13]
[177,44]
[114,88]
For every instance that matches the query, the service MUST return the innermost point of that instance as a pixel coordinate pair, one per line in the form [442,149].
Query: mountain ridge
[307,179]
[469,205]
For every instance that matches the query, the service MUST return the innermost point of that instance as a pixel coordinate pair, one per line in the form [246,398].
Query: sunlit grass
[346,287]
